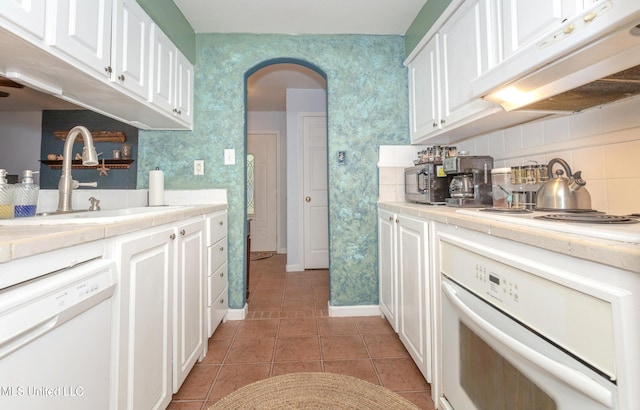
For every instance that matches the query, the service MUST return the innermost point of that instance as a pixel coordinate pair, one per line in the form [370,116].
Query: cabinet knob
[172,236]
[183,232]
[391,218]
[442,121]
[121,77]
[221,300]
[221,274]
[397,221]
[220,223]
[221,248]
[435,124]
[107,69]
[308,199]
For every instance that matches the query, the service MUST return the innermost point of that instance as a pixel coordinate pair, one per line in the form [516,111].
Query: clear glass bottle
[6,197]
[26,195]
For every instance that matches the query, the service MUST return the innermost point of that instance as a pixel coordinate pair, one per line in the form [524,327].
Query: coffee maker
[471,180]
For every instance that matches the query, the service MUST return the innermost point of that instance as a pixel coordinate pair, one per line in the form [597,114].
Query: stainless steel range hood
[582,64]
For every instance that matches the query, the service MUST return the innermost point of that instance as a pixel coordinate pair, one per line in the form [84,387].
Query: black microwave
[426,183]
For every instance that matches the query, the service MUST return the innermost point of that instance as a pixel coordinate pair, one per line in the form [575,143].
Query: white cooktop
[616,232]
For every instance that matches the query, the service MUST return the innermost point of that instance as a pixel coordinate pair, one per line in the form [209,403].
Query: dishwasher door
[55,340]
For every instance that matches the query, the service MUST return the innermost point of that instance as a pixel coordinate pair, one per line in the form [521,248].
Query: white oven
[524,328]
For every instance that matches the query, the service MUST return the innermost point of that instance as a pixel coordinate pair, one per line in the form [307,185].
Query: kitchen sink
[87,217]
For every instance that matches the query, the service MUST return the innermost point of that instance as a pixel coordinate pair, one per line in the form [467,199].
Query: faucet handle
[95,204]
[77,184]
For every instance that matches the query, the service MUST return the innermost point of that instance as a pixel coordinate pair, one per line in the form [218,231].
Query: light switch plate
[230,156]
[198,167]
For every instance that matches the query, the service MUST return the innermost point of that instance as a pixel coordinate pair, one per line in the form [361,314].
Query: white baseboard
[360,310]
[294,268]
[237,314]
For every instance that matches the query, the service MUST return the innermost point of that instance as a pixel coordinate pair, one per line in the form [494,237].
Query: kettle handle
[564,165]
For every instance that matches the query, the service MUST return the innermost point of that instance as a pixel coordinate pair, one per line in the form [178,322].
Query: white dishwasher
[55,339]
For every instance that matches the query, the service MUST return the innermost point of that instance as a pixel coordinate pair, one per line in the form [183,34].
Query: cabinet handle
[121,77]
[183,232]
[589,17]
[172,236]
[221,274]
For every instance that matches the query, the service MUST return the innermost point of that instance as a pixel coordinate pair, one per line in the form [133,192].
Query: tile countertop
[19,241]
[621,255]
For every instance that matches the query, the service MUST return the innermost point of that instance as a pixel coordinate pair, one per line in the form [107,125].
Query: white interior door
[316,211]
[263,146]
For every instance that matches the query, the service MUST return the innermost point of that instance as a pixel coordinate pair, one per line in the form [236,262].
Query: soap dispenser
[6,197]
[26,195]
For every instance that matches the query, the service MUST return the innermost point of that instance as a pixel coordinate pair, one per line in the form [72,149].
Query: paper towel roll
[156,188]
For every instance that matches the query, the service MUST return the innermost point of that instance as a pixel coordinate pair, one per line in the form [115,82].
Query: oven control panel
[498,285]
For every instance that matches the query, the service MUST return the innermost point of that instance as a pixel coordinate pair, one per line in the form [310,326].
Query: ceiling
[267,87]
[301,16]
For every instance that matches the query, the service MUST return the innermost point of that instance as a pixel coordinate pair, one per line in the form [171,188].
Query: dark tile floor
[287,330]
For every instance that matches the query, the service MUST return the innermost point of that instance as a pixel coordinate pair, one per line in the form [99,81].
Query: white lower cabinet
[388,278]
[404,283]
[160,325]
[189,339]
[144,323]
[217,273]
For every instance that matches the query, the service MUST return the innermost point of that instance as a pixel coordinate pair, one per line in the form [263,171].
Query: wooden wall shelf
[98,136]
[77,164]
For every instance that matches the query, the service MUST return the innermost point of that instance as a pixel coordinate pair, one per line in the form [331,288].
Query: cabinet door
[146,310]
[413,278]
[189,322]
[164,70]
[130,54]
[424,91]
[525,21]
[82,30]
[387,266]
[25,14]
[464,41]
[184,91]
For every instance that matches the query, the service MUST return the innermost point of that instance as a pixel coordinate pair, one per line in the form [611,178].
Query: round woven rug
[313,391]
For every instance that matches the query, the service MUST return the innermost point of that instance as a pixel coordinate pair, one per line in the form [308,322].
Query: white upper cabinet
[172,88]
[184,93]
[424,91]
[82,29]
[440,74]
[525,21]
[27,15]
[131,48]
[464,42]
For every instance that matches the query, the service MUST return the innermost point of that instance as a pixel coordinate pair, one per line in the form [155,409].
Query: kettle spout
[576,182]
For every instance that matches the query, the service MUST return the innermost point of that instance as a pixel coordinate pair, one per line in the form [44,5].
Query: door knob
[308,199]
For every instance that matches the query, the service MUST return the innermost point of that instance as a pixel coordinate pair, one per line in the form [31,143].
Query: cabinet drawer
[216,283]
[216,227]
[217,311]
[216,255]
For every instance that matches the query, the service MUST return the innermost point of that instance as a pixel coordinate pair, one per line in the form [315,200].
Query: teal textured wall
[367,107]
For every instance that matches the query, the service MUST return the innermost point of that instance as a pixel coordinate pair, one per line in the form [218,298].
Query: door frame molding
[281,225]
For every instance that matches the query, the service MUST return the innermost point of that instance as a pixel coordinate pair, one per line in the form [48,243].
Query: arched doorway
[283,96]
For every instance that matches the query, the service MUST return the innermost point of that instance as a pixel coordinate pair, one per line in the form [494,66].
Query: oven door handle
[572,377]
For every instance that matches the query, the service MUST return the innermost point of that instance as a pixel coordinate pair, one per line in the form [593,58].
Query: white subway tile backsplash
[623,196]
[387,176]
[599,193]
[590,161]
[585,124]
[623,160]
[532,134]
[556,130]
[621,115]
[513,139]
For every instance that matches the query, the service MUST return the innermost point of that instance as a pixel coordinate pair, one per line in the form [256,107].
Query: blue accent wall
[367,106]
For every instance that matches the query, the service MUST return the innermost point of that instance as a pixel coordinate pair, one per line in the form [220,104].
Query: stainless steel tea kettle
[561,193]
